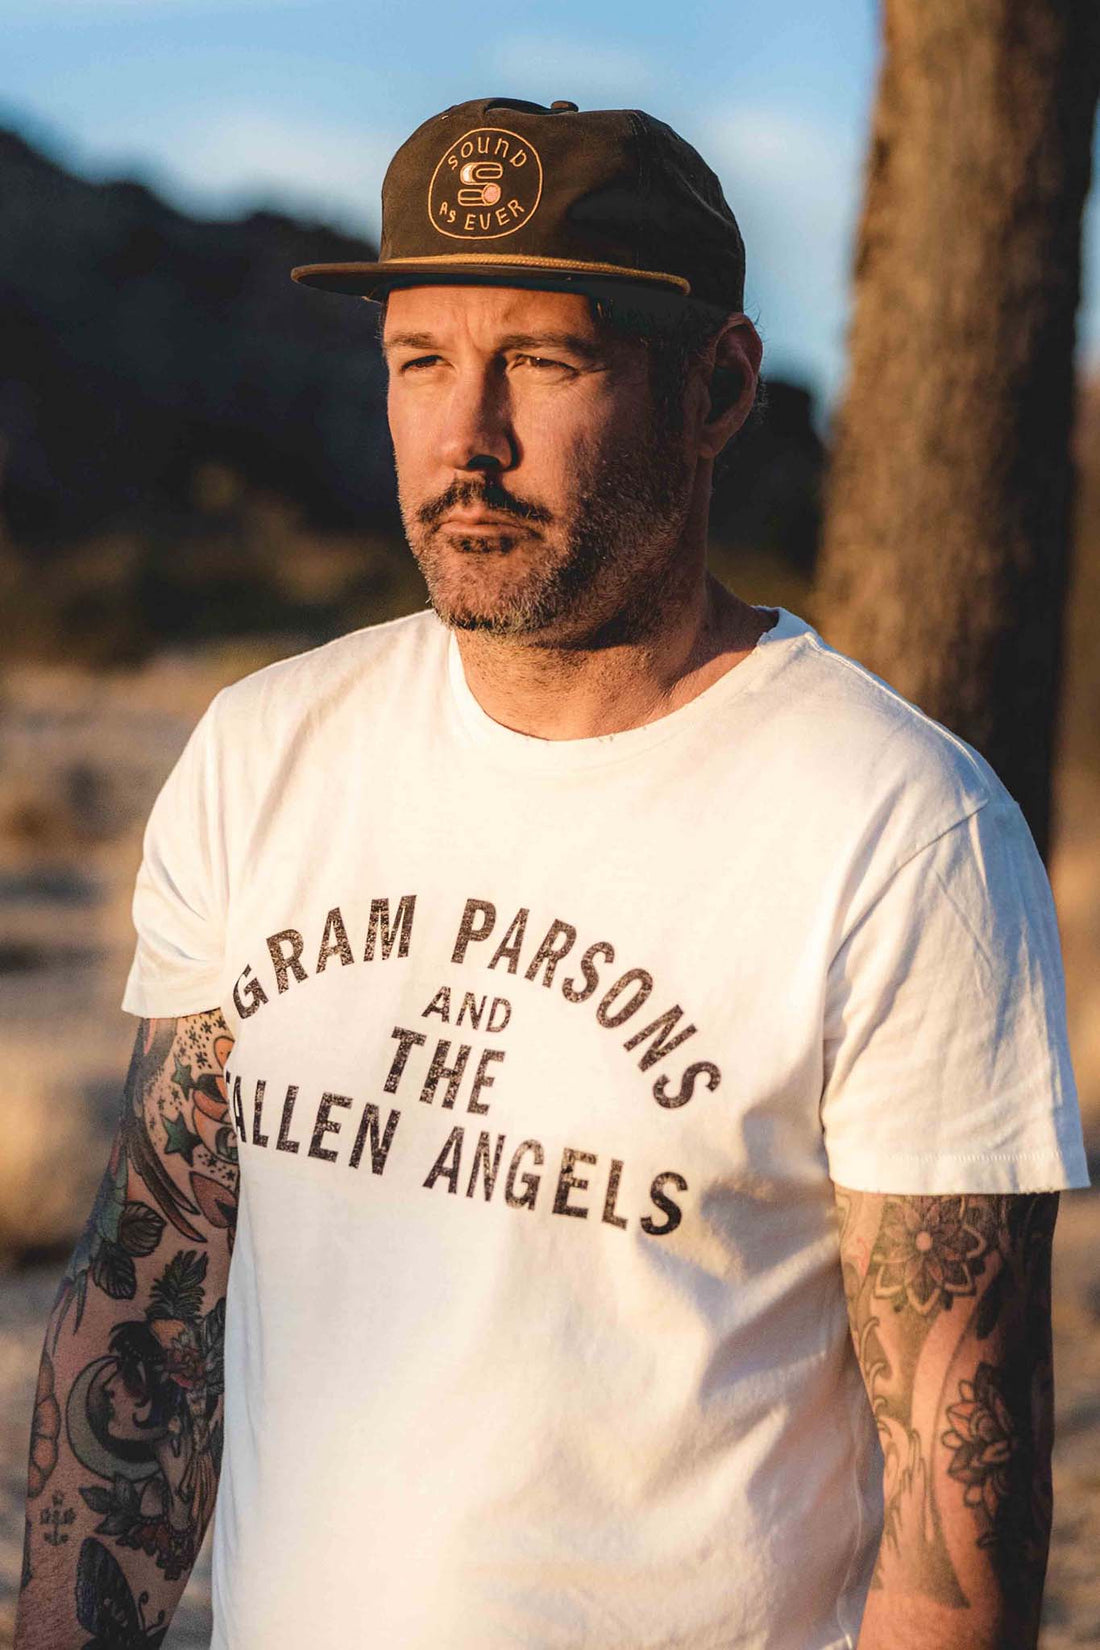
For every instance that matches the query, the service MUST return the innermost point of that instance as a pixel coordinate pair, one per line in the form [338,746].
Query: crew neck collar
[531,754]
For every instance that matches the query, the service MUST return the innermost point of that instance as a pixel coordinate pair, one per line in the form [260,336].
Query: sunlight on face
[537,495]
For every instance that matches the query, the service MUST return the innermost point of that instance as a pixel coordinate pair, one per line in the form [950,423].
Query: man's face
[539,494]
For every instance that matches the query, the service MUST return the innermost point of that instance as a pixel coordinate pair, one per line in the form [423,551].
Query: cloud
[563,67]
[248,152]
[797,165]
[245,156]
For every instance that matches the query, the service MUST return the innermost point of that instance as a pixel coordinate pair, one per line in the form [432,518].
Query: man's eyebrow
[571,342]
[410,340]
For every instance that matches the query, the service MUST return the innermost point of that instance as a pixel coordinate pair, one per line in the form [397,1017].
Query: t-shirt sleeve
[947,1065]
[180,893]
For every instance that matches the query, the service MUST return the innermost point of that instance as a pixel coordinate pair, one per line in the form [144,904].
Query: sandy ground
[80,761]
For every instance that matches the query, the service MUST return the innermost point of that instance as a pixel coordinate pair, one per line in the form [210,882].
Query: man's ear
[734,366]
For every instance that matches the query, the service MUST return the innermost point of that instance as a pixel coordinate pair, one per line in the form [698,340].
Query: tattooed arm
[949,1304]
[127,1432]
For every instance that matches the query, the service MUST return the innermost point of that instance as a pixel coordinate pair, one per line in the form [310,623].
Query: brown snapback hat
[512,192]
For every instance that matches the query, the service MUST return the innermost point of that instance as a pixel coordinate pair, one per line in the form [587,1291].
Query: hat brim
[374,280]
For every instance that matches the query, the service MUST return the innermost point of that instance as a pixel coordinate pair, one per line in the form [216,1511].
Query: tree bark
[945,548]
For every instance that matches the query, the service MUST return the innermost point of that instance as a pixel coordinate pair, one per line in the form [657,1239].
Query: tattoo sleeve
[126,1436]
[949,1305]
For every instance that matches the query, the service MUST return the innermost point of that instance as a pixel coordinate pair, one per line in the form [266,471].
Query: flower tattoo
[982,1444]
[928,1251]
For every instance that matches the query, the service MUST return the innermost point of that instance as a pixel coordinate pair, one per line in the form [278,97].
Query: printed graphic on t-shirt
[444,1058]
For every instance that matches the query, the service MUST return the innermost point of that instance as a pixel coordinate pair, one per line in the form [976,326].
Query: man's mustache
[488,493]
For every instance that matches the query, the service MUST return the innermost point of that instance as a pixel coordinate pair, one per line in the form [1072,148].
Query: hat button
[561,105]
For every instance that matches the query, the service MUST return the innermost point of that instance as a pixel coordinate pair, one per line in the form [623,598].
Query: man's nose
[477,432]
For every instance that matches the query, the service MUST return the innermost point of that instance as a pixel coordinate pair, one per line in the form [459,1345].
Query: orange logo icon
[488,184]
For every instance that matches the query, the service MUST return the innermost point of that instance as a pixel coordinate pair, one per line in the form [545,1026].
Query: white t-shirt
[536,1338]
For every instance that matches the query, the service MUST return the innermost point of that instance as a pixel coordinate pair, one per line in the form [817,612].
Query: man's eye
[544,363]
[418,362]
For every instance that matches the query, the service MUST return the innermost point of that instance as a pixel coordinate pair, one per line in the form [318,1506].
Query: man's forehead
[420,311]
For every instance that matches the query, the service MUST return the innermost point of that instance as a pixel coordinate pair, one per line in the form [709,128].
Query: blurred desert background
[194,481]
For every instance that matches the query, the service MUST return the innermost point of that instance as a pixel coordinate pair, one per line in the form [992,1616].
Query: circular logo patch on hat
[488,184]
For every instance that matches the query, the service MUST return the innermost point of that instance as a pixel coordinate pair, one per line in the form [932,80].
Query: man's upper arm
[949,1304]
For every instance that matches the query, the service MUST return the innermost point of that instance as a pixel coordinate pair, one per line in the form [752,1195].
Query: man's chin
[479,595]
[533,591]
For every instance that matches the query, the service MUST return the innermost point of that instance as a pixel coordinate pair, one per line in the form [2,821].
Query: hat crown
[500,188]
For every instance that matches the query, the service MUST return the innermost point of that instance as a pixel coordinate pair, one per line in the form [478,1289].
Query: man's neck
[563,692]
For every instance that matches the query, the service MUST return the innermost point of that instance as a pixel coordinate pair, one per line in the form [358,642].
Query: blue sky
[298,104]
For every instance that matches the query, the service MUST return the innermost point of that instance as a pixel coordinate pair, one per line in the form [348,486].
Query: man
[638,1034]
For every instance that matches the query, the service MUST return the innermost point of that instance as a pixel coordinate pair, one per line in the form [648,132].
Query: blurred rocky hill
[192,446]
[138,345]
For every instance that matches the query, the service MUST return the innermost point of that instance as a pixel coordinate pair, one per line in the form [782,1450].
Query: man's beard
[610,579]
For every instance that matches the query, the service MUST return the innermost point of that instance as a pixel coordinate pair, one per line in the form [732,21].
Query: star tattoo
[180,1138]
[182,1077]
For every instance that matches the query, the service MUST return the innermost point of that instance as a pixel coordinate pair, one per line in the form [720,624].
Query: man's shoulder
[361,664]
[857,743]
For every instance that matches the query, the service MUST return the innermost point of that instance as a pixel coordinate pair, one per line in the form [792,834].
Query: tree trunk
[944,555]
